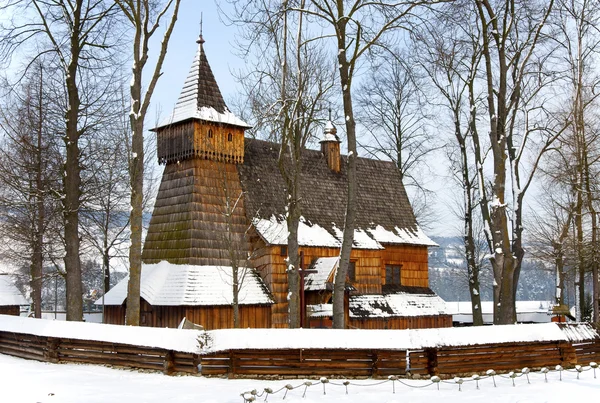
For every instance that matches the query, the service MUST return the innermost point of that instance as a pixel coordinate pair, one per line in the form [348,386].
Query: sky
[219,48]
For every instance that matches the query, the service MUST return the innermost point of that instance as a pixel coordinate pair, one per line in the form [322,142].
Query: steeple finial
[200,38]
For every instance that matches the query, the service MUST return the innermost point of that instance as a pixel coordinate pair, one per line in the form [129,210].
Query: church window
[210,134]
[352,272]
[229,137]
[392,274]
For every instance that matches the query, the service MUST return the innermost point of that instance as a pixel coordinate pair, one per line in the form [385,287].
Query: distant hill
[448,275]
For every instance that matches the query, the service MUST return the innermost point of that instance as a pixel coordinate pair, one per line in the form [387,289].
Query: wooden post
[432,361]
[568,355]
[169,364]
[375,364]
[51,353]
[232,364]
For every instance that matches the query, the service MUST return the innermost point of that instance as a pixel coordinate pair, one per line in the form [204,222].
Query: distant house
[11,298]
[527,312]
[222,199]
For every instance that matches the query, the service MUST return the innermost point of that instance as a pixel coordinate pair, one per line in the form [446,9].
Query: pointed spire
[200,97]
[200,39]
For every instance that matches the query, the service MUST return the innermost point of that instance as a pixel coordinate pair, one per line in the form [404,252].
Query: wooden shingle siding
[412,259]
[188,225]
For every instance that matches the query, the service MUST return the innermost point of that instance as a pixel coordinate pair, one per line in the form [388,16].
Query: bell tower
[200,144]
[201,125]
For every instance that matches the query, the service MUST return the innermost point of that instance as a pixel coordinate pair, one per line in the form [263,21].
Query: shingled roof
[384,214]
[201,97]
[167,284]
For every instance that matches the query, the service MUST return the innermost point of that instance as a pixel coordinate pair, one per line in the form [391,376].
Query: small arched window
[229,137]
[210,133]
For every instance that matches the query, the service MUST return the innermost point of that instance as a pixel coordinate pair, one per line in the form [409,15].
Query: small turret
[201,125]
[330,146]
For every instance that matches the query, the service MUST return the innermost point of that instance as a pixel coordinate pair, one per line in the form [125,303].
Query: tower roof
[200,97]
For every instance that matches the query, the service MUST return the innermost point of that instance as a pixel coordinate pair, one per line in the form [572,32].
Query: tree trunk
[137,193]
[236,295]
[37,263]
[72,178]
[348,236]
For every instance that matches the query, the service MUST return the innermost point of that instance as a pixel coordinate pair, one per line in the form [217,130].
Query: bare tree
[145,17]
[450,54]
[576,36]
[29,177]
[394,113]
[355,27]
[77,34]
[519,128]
[288,90]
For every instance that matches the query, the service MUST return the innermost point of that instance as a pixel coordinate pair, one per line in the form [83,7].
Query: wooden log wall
[53,349]
[416,322]
[413,259]
[588,351]
[13,310]
[370,275]
[467,360]
[448,361]
[210,317]
[305,362]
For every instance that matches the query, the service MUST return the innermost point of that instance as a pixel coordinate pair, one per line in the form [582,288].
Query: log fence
[447,361]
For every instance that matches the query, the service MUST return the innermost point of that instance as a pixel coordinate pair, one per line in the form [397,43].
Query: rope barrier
[251,396]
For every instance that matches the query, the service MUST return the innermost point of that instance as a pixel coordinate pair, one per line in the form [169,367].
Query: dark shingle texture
[382,199]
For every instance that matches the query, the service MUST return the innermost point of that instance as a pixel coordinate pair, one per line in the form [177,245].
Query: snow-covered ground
[24,381]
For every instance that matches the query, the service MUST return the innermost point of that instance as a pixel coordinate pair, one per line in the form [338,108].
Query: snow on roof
[324,267]
[200,97]
[184,340]
[167,284]
[527,311]
[274,231]
[320,310]
[188,110]
[9,293]
[409,339]
[401,236]
[399,304]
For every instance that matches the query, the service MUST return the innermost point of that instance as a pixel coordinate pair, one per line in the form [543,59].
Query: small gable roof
[9,293]
[166,284]
[384,214]
[324,267]
[398,302]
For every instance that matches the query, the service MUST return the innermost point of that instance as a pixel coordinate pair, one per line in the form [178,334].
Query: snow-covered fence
[167,350]
[303,352]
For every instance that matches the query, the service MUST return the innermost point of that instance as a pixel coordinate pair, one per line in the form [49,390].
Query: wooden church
[220,209]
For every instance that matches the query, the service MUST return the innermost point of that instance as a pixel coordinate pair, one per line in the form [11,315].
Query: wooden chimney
[330,146]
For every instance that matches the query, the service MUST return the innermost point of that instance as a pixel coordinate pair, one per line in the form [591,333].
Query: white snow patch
[184,340]
[324,266]
[275,232]
[167,284]
[9,293]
